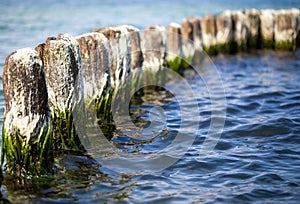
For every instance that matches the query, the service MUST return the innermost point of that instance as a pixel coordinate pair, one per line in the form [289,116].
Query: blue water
[257,158]
[26,23]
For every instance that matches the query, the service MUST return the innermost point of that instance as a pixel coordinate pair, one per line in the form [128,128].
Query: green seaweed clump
[104,114]
[176,64]
[268,43]
[65,137]
[286,45]
[241,46]
[27,158]
[154,77]
[211,50]
[225,48]
[187,62]
[254,42]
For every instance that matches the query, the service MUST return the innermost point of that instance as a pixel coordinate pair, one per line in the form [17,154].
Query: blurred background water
[256,160]
[26,23]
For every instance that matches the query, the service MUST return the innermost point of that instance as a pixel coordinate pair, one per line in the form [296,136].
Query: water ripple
[256,160]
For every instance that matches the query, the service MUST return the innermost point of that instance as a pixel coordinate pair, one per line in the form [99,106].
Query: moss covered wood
[240,30]
[120,53]
[62,64]
[174,48]
[285,35]
[209,32]
[27,131]
[192,42]
[97,78]
[154,53]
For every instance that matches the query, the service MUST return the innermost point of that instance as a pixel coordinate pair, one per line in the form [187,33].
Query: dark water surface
[257,158]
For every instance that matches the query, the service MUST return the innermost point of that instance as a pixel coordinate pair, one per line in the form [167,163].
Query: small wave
[269,128]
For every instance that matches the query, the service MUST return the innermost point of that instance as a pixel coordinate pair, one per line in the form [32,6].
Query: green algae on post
[96,75]
[192,42]
[267,25]
[174,48]
[286,29]
[65,135]
[224,35]
[153,45]
[135,78]
[209,32]
[240,30]
[125,63]
[176,64]
[253,26]
[62,64]
[104,115]
[27,131]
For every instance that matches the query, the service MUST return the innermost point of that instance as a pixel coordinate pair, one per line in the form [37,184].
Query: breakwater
[62,73]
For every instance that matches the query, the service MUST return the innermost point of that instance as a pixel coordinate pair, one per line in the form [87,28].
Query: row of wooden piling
[234,31]
[44,85]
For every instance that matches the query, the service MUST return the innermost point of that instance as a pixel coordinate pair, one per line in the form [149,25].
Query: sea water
[257,157]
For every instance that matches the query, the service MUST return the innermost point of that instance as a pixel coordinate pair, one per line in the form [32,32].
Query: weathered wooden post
[27,130]
[62,64]
[197,34]
[240,32]
[188,49]
[191,37]
[296,14]
[174,48]
[136,50]
[285,32]
[191,40]
[120,53]
[153,45]
[126,68]
[95,64]
[137,59]
[125,53]
[209,32]
[126,61]
[95,58]
[224,34]
[267,25]
[252,22]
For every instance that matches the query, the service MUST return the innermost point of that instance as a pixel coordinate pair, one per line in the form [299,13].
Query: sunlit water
[257,158]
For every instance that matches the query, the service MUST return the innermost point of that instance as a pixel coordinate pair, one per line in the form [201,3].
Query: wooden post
[267,25]
[153,45]
[285,32]
[209,32]
[191,40]
[62,63]
[174,48]
[224,34]
[240,31]
[97,79]
[252,22]
[120,53]
[137,60]
[27,130]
